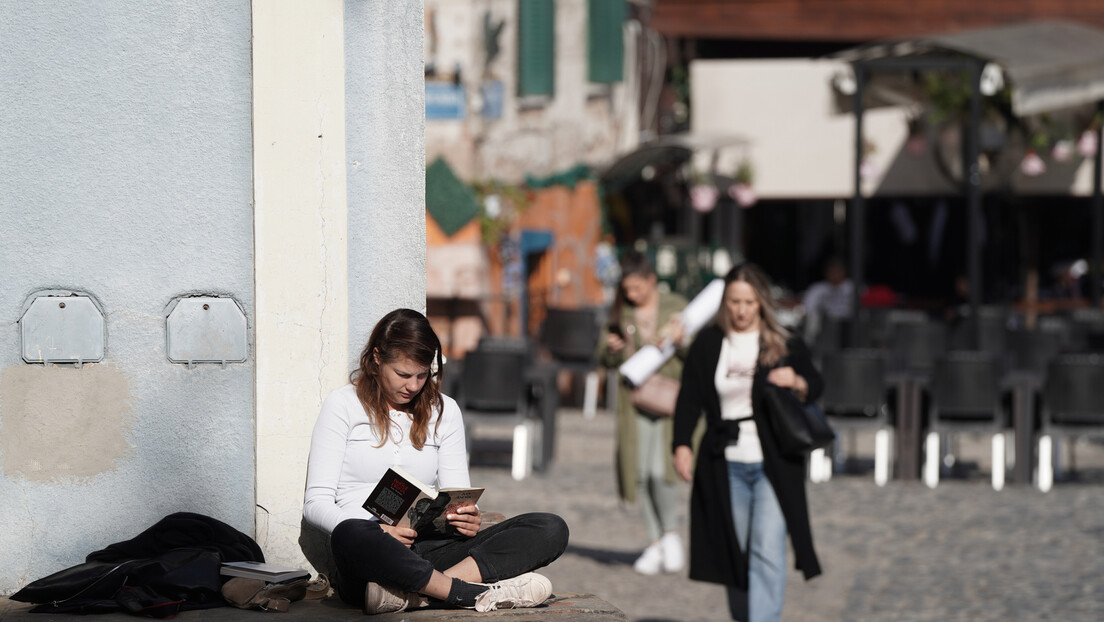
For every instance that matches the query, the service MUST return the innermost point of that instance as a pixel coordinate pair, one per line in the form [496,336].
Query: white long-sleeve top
[345,464]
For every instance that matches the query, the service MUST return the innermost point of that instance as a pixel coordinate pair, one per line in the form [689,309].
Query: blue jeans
[761,531]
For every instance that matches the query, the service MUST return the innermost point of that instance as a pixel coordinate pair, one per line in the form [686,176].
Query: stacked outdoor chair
[992,328]
[855,397]
[492,391]
[1087,330]
[571,337]
[915,343]
[965,397]
[1072,408]
[542,392]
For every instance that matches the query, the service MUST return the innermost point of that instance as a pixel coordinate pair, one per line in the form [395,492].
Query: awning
[1050,65]
[670,150]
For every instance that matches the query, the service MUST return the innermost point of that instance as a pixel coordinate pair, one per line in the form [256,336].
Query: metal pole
[972,179]
[1097,217]
[857,217]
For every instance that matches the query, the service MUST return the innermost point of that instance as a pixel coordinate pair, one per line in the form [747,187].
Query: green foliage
[513,199]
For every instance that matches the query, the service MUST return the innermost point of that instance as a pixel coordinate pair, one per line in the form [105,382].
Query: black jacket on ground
[715,554]
[172,566]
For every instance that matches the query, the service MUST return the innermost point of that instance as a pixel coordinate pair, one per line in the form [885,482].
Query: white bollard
[520,464]
[881,457]
[998,461]
[931,460]
[1045,476]
[590,395]
[816,465]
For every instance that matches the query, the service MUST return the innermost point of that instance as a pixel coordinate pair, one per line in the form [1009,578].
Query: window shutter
[606,49]
[536,45]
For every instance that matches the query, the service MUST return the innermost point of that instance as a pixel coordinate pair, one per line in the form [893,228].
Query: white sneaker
[673,556]
[382,599]
[651,560]
[527,590]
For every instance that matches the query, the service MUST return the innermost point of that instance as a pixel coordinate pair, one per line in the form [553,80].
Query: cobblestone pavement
[961,552]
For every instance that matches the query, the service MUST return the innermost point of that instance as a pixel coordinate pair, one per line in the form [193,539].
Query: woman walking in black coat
[746,495]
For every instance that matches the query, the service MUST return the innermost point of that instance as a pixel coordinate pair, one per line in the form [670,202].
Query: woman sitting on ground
[393,413]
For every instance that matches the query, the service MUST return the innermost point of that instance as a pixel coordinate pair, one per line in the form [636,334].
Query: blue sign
[492,99]
[444,100]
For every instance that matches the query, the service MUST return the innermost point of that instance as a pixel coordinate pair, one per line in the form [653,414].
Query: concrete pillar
[301,254]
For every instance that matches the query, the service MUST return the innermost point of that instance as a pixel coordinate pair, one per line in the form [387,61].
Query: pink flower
[743,194]
[703,197]
[1062,151]
[1032,164]
[1086,145]
[868,170]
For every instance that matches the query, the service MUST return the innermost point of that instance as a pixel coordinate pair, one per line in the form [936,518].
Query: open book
[400,499]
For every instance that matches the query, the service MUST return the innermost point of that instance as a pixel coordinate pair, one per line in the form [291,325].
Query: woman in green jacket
[641,315]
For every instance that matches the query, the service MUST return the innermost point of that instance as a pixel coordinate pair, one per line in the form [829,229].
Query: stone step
[565,607]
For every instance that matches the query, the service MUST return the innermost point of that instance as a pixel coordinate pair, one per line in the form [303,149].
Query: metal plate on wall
[206,330]
[62,329]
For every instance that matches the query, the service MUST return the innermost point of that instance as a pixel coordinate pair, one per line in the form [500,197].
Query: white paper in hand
[697,314]
[644,363]
[703,307]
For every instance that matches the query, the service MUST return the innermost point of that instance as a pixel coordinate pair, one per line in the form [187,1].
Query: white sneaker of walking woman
[673,556]
[665,555]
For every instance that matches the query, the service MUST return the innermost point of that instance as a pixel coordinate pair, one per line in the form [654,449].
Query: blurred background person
[827,298]
[641,315]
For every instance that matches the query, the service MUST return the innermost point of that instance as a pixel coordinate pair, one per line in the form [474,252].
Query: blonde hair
[772,335]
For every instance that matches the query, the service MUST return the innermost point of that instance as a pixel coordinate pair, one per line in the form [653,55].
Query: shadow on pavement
[604,556]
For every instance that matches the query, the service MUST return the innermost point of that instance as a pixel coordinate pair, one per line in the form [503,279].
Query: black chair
[914,345]
[965,397]
[992,330]
[1087,330]
[1032,350]
[854,397]
[493,391]
[829,335]
[1061,326]
[543,394]
[1072,407]
[571,337]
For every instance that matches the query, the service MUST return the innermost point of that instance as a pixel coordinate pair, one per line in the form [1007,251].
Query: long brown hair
[403,333]
[772,335]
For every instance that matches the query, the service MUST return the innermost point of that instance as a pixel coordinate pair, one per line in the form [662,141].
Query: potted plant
[741,191]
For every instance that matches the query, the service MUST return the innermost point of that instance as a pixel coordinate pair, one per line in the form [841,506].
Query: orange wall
[562,277]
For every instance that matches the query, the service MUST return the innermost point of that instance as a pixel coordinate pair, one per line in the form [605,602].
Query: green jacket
[626,458]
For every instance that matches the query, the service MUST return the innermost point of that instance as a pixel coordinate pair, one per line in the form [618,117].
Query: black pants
[365,552]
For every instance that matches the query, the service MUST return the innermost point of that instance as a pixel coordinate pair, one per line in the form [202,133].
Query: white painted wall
[272,152]
[801,148]
[125,142]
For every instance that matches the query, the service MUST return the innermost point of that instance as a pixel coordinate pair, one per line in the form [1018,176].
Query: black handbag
[798,428]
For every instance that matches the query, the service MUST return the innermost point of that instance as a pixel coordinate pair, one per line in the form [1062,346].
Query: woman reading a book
[393,414]
[746,494]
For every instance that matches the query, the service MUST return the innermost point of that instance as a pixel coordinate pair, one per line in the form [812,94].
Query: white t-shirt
[735,374]
[345,464]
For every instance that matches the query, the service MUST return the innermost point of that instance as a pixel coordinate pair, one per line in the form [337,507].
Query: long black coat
[173,566]
[715,554]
